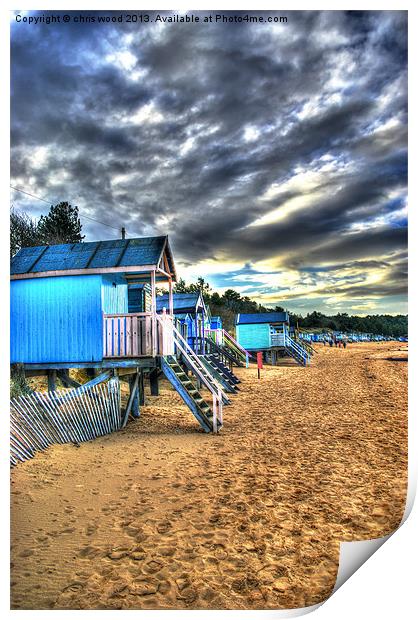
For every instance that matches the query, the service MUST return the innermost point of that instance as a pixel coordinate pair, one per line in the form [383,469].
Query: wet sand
[163,516]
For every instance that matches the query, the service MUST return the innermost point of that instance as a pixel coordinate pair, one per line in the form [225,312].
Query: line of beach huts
[350,337]
[97,306]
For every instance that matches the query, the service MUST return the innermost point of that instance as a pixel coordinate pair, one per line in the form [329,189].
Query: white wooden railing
[216,335]
[297,349]
[277,340]
[131,335]
[165,341]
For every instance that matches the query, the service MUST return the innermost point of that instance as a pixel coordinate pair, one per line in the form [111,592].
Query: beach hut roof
[182,315]
[118,255]
[182,302]
[262,317]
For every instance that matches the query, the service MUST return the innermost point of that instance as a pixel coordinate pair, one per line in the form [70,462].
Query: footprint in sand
[74,586]
[90,552]
[134,531]
[118,590]
[117,553]
[26,553]
[137,554]
[144,586]
[153,566]
[168,552]
[91,529]
[42,539]
[188,595]
[163,527]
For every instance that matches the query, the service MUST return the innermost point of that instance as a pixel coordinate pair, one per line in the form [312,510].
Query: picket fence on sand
[38,420]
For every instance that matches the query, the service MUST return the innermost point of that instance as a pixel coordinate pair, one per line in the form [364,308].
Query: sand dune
[163,516]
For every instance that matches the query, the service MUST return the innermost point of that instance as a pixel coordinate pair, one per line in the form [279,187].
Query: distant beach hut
[269,332]
[192,314]
[216,331]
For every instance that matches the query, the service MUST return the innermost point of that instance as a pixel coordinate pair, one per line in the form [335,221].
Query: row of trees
[384,324]
[231,303]
[61,225]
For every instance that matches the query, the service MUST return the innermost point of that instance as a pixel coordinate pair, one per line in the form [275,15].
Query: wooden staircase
[210,418]
[296,351]
[225,353]
[189,393]
[235,348]
[224,369]
[305,345]
[218,374]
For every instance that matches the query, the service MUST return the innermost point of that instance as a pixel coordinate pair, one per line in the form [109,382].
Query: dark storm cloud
[185,129]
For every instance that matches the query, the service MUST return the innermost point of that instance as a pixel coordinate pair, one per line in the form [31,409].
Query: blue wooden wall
[56,319]
[254,337]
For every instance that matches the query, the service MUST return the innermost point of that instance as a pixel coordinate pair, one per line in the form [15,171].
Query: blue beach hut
[70,305]
[193,315]
[269,332]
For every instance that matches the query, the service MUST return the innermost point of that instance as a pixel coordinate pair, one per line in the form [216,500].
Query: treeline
[231,303]
[382,324]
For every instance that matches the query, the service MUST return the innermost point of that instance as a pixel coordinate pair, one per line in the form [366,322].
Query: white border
[385,586]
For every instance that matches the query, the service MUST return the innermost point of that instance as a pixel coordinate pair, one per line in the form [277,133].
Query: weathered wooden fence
[40,419]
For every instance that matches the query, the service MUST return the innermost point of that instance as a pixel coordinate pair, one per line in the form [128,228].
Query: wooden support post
[196,332]
[153,380]
[52,380]
[136,412]
[141,388]
[133,390]
[170,297]
[154,312]
[64,376]
[134,385]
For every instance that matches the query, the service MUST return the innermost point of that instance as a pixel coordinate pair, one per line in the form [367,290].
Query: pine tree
[61,225]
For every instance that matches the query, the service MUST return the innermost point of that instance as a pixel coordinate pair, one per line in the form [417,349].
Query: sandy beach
[163,516]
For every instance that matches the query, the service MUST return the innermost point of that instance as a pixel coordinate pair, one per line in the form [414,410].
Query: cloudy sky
[274,155]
